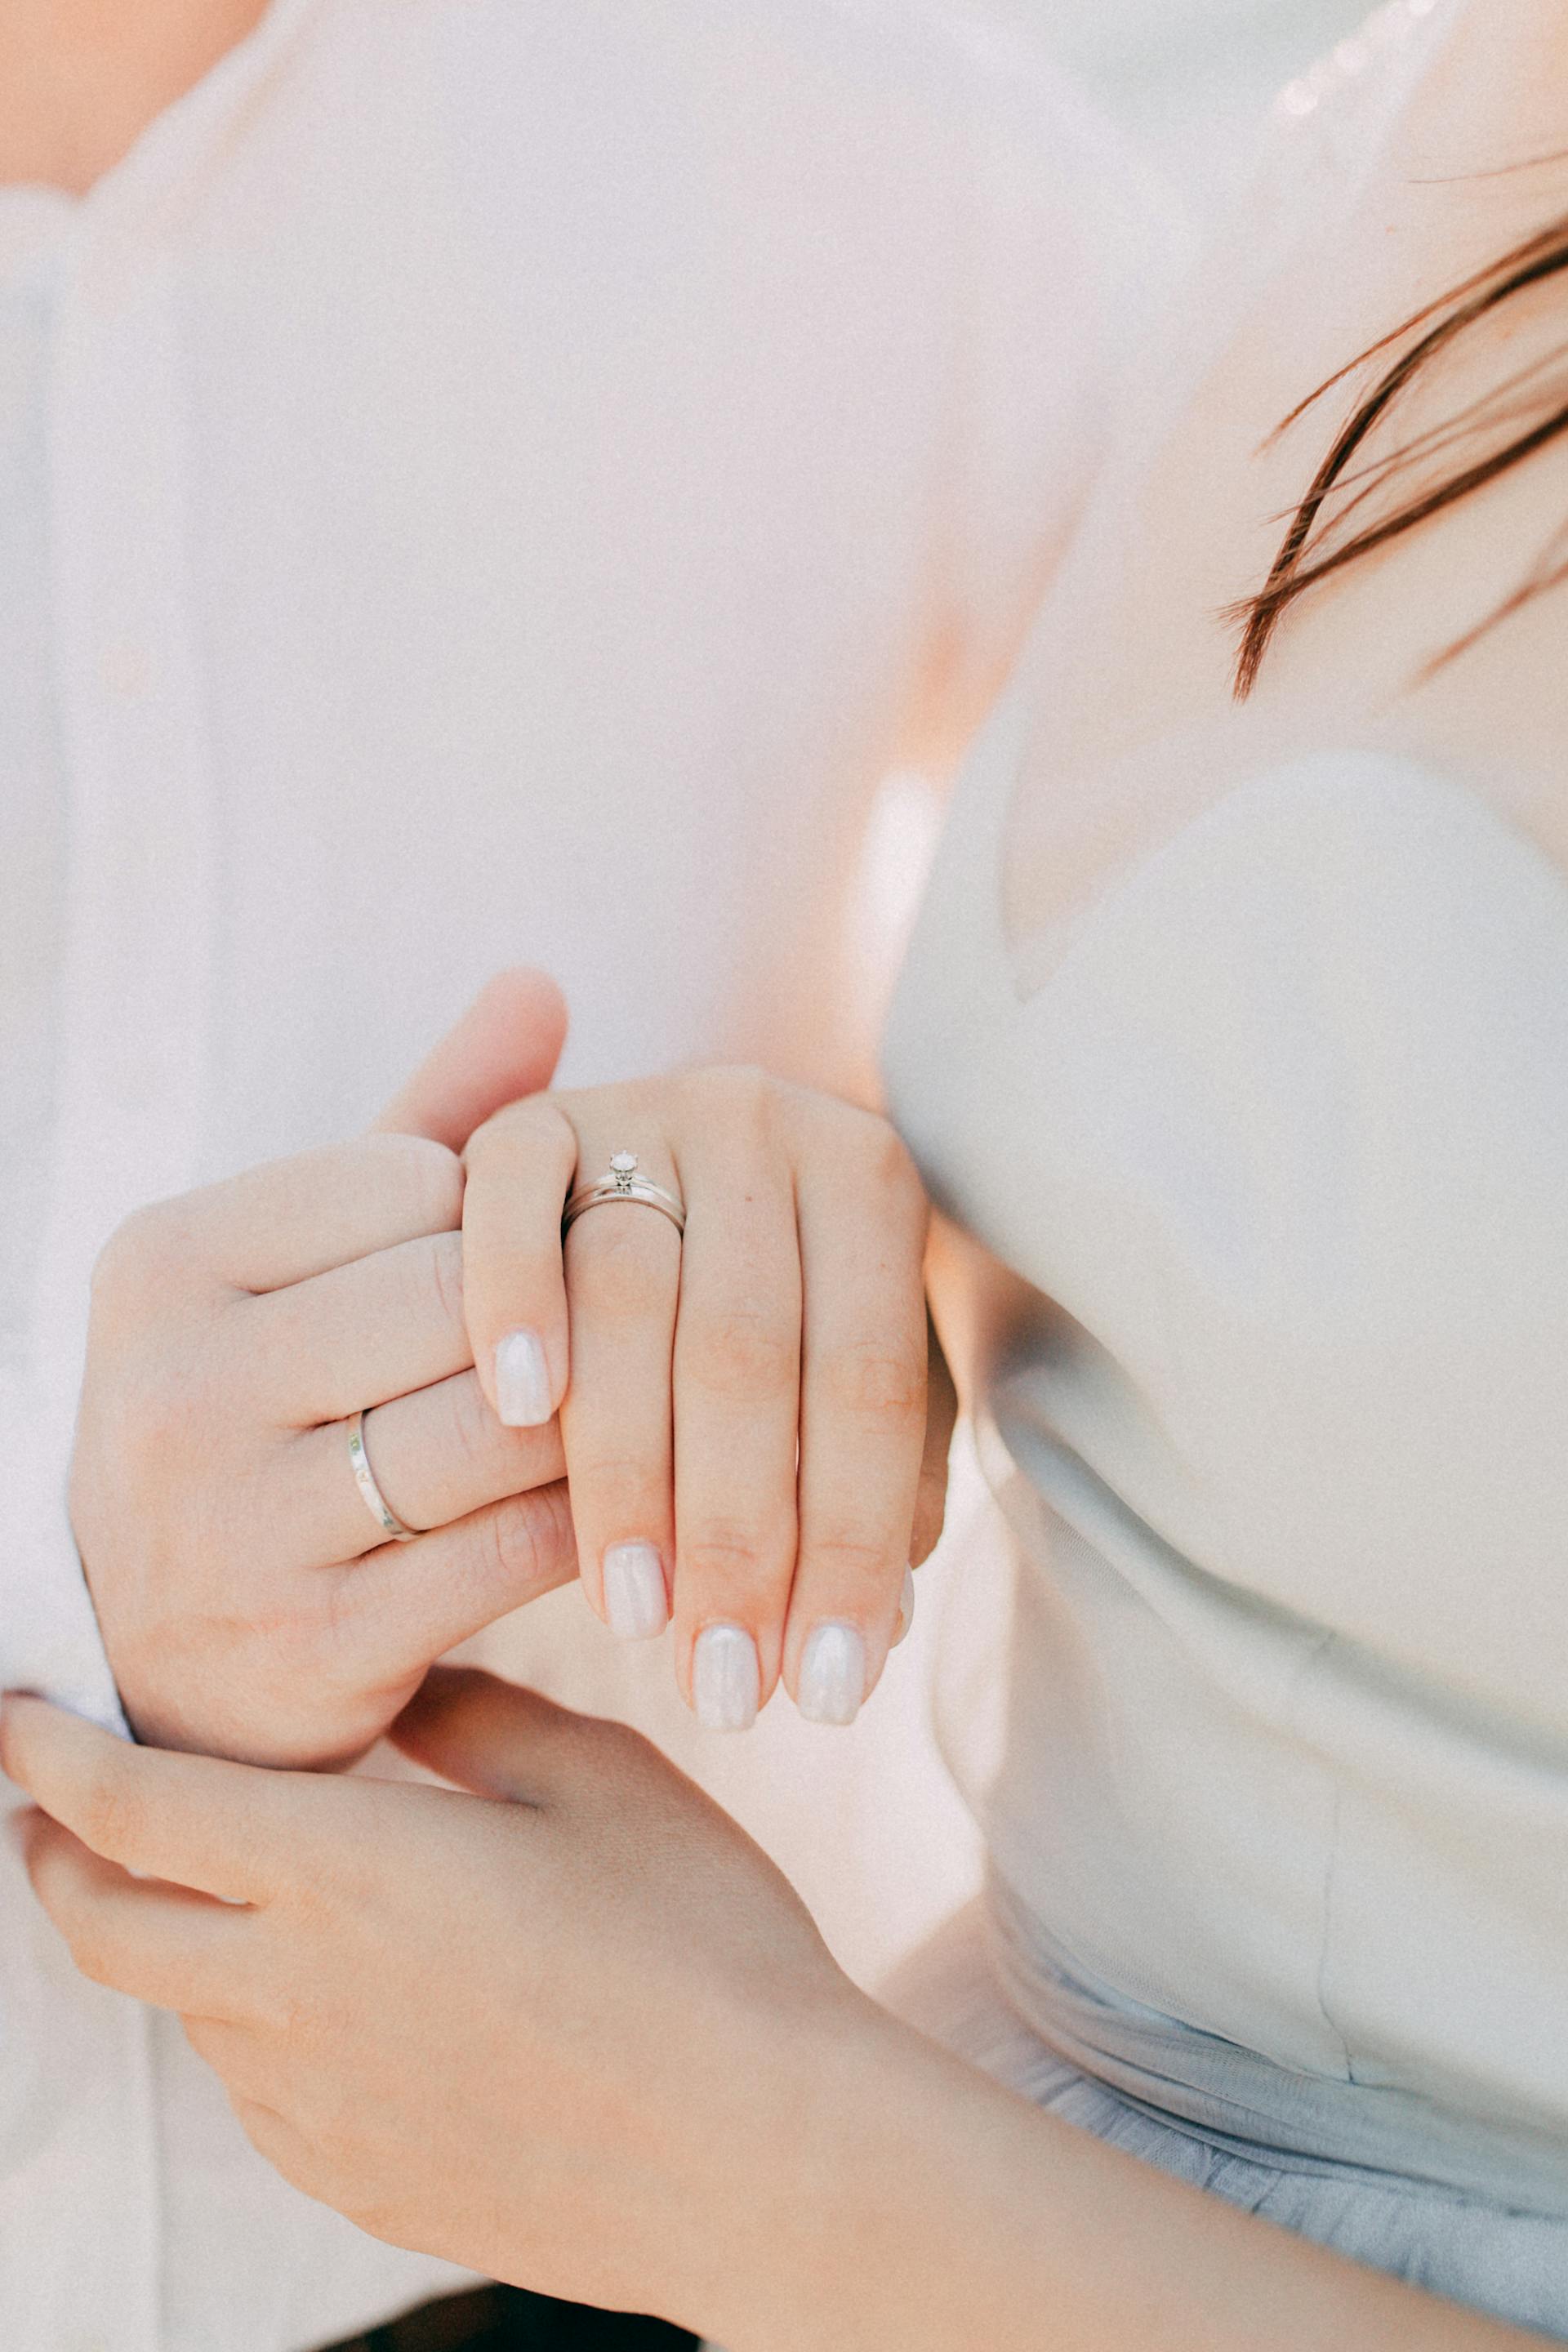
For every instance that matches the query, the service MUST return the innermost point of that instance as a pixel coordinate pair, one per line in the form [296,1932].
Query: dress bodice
[1268,1344]
[1257,1288]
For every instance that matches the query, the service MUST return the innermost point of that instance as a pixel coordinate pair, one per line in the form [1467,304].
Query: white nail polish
[636,1603]
[522,1380]
[726,1680]
[833,1675]
[906,1607]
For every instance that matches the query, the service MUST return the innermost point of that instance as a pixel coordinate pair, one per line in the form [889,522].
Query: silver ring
[623,1184]
[375,1502]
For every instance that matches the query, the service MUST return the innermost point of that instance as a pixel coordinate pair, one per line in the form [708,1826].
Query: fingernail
[726,1680]
[832,1675]
[522,1380]
[636,1603]
[906,1607]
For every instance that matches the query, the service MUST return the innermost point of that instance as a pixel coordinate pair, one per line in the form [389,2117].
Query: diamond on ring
[624,1181]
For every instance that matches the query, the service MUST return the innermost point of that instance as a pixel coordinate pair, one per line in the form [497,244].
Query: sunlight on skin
[81,80]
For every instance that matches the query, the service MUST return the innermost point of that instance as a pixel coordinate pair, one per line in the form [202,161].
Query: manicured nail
[636,1603]
[522,1380]
[833,1675]
[906,1607]
[726,1680]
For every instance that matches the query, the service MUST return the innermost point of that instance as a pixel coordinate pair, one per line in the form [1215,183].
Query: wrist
[875,2163]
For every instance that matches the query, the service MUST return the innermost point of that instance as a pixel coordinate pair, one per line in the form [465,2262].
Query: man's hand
[249,1605]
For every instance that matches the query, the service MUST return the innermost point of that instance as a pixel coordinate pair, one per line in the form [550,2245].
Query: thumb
[506,1046]
[488,1735]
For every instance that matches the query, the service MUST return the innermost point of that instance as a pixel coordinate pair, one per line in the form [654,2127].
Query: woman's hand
[249,1605]
[745,1411]
[584,2037]
[577,2037]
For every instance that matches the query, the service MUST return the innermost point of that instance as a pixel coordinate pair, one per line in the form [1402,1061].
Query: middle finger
[356,1335]
[737,1406]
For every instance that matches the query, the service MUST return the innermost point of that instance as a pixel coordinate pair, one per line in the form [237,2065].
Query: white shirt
[488,484]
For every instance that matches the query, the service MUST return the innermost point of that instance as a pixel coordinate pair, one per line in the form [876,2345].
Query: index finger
[294,1219]
[519,1168]
[228,1830]
[506,1045]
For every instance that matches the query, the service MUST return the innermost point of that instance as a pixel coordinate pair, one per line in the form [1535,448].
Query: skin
[640,2078]
[234,1332]
[574,2031]
[753,1405]
[249,1604]
[750,1401]
[81,80]
[1135,726]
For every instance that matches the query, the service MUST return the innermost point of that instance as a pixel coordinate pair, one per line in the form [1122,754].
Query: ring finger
[435,1456]
[623,1285]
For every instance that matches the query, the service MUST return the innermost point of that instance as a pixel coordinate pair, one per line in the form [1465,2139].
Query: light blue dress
[1265,1206]
[1257,1192]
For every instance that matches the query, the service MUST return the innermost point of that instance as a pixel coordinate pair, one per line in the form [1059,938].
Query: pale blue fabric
[1510,2262]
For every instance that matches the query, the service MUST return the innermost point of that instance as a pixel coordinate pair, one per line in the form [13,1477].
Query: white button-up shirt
[482,484]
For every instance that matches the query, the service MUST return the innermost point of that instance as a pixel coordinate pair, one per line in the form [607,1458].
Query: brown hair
[1316,546]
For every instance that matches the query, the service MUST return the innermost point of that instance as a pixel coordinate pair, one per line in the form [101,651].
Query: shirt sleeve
[1072,242]
[49,1640]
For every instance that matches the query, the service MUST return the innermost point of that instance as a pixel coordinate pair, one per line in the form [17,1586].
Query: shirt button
[126,668]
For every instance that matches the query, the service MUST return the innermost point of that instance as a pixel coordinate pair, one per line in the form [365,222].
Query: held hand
[582,2037]
[746,1415]
[247,1602]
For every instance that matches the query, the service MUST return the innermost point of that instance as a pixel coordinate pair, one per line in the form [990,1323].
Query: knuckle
[875,1379]
[741,1353]
[121,1254]
[724,1557]
[170,1410]
[136,1253]
[536,1125]
[882,1152]
[854,1557]
[894,1168]
[528,1537]
[740,1093]
[621,1486]
[429,1178]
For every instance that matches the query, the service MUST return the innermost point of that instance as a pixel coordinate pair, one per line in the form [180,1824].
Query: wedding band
[623,1184]
[375,1502]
